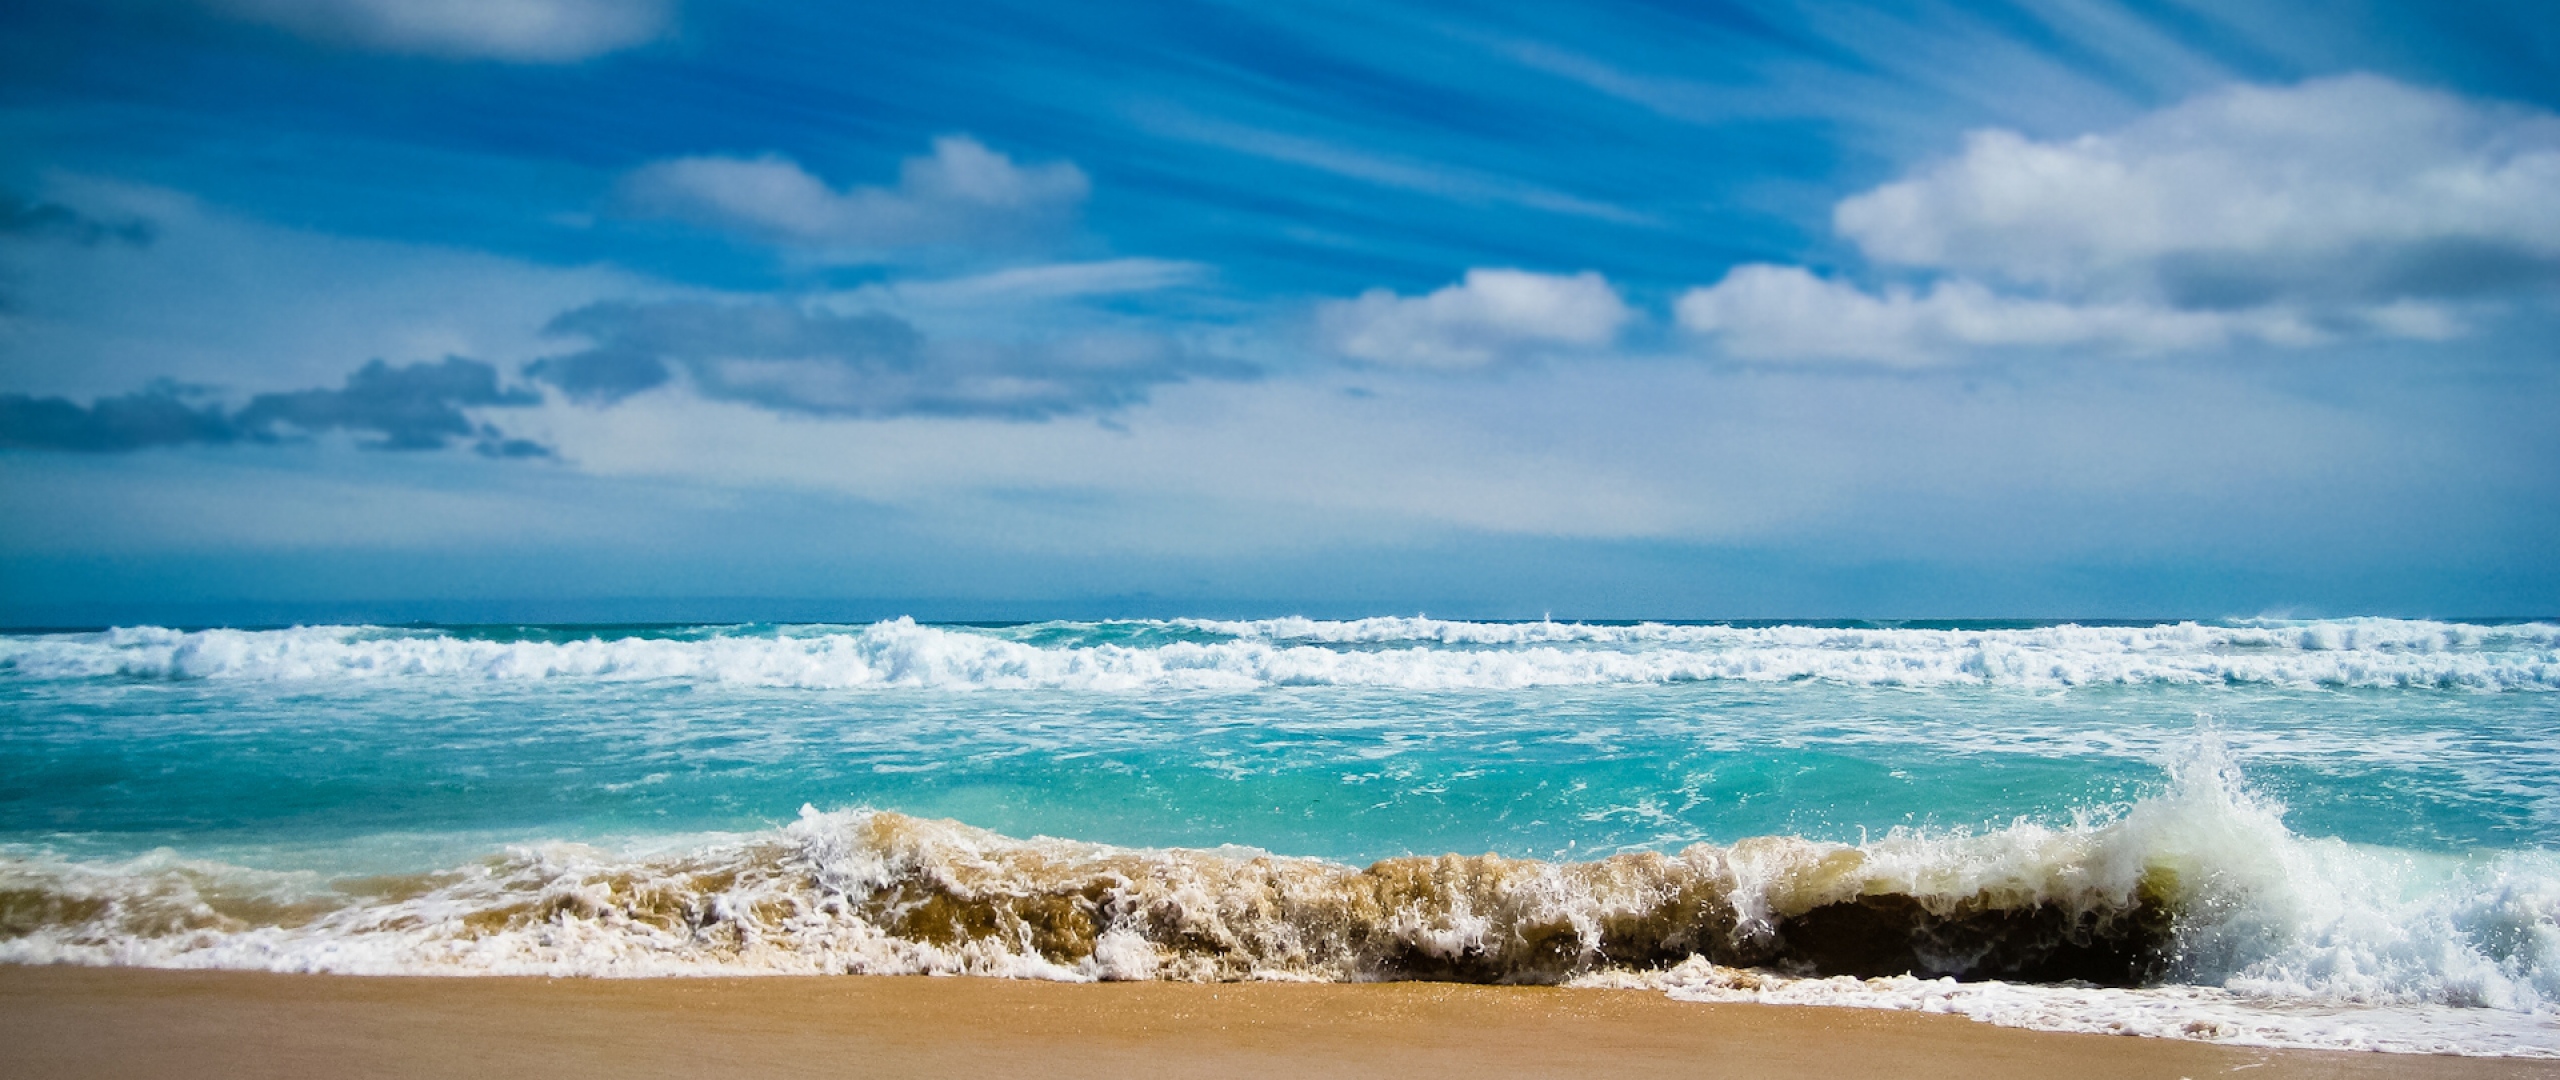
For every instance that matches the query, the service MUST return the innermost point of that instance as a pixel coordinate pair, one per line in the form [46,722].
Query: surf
[1408,654]
[2197,894]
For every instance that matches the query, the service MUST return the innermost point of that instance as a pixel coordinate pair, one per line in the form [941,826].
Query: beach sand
[89,1022]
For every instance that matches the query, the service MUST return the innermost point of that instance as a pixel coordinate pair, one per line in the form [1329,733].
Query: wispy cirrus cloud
[515,31]
[1384,170]
[1053,282]
[960,195]
[2335,209]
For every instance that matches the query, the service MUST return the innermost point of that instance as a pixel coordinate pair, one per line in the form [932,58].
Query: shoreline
[72,1022]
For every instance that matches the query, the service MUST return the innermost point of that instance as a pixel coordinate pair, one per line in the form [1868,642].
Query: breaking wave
[1418,654]
[2193,913]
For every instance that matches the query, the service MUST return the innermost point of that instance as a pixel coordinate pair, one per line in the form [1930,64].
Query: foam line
[1412,654]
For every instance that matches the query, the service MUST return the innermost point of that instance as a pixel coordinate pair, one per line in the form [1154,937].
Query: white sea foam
[2269,938]
[2176,1012]
[1418,654]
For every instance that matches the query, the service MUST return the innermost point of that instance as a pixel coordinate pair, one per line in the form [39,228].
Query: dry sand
[83,1022]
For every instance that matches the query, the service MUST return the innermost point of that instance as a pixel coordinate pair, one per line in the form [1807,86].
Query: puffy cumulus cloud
[2339,208]
[794,359]
[962,194]
[518,31]
[2345,188]
[415,407]
[1491,315]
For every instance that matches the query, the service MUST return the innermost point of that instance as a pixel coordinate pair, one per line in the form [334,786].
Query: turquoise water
[1354,774]
[324,754]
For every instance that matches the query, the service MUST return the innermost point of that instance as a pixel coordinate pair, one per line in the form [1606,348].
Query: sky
[586,310]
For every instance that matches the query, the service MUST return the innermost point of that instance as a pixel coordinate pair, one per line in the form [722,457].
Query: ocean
[2314,833]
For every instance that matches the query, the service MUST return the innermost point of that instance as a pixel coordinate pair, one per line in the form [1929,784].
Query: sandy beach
[90,1022]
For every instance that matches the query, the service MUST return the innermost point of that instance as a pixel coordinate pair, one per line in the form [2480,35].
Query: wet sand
[86,1022]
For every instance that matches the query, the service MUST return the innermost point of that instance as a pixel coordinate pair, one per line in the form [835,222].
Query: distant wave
[1420,654]
[2207,917]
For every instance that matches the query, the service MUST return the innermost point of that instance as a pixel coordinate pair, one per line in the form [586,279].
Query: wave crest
[1418,654]
[2201,885]
[2208,918]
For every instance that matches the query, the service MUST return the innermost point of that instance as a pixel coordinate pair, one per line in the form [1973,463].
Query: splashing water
[1971,821]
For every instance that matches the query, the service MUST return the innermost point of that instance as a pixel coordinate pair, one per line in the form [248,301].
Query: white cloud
[1786,313]
[961,194]
[521,31]
[2340,208]
[1489,316]
[2242,194]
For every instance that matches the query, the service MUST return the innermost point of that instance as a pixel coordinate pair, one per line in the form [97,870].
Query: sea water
[2334,833]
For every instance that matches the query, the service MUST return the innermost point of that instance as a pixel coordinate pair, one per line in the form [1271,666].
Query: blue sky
[576,309]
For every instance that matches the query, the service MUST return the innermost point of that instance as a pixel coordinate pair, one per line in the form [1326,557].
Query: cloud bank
[1786,312]
[416,407]
[160,416]
[789,358]
[2338,208]
[516,31]
[1490,316]
[961,195]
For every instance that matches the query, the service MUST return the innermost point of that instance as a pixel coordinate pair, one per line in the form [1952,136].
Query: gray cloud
[415,407]
[418,407]
[160,416]
[2436,269]
[782,357]
[21,216]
